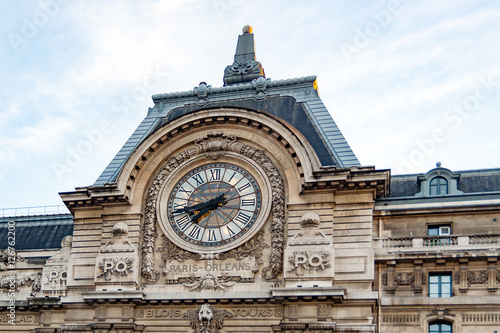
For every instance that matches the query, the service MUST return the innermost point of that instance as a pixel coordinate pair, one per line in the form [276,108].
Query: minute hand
[212,202]
[188,209]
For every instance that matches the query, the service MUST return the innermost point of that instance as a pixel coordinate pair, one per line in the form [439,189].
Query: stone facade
[334,248]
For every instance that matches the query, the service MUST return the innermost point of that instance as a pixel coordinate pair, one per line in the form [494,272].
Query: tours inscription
[237,313]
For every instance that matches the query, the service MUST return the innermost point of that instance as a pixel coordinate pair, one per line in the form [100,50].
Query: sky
[409,83]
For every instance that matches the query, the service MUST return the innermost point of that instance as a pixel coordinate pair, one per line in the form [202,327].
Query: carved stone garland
[215,145]
[253,248]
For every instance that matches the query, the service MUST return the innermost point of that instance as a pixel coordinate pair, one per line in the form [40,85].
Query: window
[440,285]
[440,328]
[439,230]
[438,186]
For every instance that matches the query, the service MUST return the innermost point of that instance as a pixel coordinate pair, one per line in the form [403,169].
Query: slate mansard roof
[469,182]
[295,101]
[40,232]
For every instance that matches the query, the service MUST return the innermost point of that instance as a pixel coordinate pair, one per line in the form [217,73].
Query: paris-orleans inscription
[203,268]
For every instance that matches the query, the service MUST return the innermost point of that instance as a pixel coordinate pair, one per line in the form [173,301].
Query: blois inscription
[237,313]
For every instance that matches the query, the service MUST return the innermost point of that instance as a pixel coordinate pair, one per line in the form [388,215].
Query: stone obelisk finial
[245,67]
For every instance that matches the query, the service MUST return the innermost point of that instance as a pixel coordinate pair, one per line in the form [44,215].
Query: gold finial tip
[247,29]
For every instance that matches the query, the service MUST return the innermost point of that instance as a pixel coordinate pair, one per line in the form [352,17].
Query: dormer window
[438,186]
[438,182]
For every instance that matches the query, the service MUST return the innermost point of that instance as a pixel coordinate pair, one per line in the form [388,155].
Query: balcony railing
[33,211]
[441,241]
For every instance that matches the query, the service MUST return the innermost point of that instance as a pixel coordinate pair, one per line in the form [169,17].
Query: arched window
[440,328]
[438,186]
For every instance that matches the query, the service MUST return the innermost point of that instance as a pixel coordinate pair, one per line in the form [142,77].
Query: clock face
[214,205]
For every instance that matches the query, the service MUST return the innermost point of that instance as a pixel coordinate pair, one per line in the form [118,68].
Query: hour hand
[209,206]
[202,212]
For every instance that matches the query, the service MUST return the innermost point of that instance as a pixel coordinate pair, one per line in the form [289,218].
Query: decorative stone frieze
[404,279]
[8,257]
[477,277]
[15,282]
[252,249]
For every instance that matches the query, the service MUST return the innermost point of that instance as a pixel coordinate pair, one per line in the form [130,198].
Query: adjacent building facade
[242,208]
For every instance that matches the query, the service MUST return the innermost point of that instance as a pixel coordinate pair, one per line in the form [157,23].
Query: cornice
[233,88]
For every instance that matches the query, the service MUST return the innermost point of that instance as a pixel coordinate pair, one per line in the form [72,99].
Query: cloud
[93,55]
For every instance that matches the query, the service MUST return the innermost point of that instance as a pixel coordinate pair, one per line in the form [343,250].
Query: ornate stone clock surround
[214,145]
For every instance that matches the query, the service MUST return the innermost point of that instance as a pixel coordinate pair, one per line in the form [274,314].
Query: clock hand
[210,205]
[202,212]
[188,209]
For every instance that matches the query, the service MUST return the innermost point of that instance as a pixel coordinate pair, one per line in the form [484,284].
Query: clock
[213,207]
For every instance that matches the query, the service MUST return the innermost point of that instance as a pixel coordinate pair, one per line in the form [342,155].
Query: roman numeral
[248,202]
[195,232]
[214,174]
[231,177]
[178,206]
[183,222]
[197,178]
[244,187]
[211,235]
[242,218]
[188,192]
[231,232]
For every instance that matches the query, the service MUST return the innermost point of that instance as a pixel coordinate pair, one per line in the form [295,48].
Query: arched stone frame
[292,144]
[215,144]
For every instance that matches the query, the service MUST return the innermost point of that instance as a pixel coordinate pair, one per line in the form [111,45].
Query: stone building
[242,208]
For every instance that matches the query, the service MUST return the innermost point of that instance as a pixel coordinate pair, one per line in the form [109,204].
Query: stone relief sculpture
[260,85]
[214,145]
[32,280]
[8,257]
[210,282]
[207,319]
[308,261]
[254,248]
[202,92]
[117,261]
[55,271]
[115,266]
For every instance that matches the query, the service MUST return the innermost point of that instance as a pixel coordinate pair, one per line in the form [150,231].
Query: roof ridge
[235,87]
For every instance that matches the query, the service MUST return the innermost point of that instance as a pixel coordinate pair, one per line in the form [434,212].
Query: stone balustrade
[441,242]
